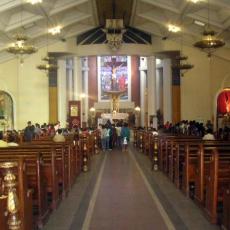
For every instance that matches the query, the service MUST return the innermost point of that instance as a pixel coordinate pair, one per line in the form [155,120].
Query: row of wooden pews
[200,169]
[45,173]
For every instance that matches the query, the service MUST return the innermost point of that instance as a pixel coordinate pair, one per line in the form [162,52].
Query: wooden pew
[24,197]
[226,209]
[49,165]
[182,156]
[36,182]
[167,152]
[50,172]
[216,180]
[202,164]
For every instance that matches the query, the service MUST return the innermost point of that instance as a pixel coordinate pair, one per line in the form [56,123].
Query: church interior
[114,114]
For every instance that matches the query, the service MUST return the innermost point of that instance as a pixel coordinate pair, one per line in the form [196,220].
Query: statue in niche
[227,103]
[6,111]
[2,105]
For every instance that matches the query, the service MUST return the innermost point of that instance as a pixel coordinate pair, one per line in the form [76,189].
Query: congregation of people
[199,129]
[115,134]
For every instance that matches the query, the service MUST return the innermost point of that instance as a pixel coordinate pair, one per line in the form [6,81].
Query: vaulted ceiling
[78,16]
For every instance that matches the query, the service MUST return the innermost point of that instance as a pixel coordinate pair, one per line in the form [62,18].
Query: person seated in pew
[59,136]
[209,135]
[2,143]
[154,132]
[11,140]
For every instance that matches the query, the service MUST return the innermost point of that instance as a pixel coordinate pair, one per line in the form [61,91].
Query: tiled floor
[121,192]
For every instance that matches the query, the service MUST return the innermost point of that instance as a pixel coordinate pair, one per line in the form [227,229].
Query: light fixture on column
[181,62]
[49,63]
[137,113]
[209,42]
[92,111]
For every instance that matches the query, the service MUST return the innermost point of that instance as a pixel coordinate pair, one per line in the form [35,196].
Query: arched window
[6,111]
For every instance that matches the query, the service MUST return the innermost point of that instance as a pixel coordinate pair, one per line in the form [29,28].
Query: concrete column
[70,80]
[77,79]
[143,69]
[62,106]
[167,90]
[85,79]
[151,91]
[78,89]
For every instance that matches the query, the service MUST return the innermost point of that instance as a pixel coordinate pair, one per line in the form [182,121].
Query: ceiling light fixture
[114,30]
[199,23]
[173,28]
[55,30]
[209,41]
[195,1]
[20,46]
[33,2]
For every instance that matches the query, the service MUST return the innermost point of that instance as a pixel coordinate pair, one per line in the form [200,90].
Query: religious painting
[114,74]
[223,102]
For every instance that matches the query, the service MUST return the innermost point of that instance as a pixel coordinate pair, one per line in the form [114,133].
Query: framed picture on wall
[73,110]
[74,113]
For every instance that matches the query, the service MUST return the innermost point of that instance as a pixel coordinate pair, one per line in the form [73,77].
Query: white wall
[28,87]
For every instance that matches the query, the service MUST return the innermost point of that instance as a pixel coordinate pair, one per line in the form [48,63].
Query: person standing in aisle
[125,136]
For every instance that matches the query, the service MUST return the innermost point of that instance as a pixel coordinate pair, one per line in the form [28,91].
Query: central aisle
[122,198]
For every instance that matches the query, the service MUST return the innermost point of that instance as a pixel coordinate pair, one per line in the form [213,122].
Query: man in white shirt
[209,135]
[59,137]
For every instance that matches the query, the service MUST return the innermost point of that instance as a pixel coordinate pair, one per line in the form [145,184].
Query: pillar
[77,79]
[151,91]
[85,79]
[143,92]
[167,90]
[62,106]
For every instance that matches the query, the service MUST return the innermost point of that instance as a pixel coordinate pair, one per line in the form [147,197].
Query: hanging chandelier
[114,30]
[20,47]
[48,65]
[209,41]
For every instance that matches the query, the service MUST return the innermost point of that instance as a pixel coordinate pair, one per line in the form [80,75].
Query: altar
[114,116]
